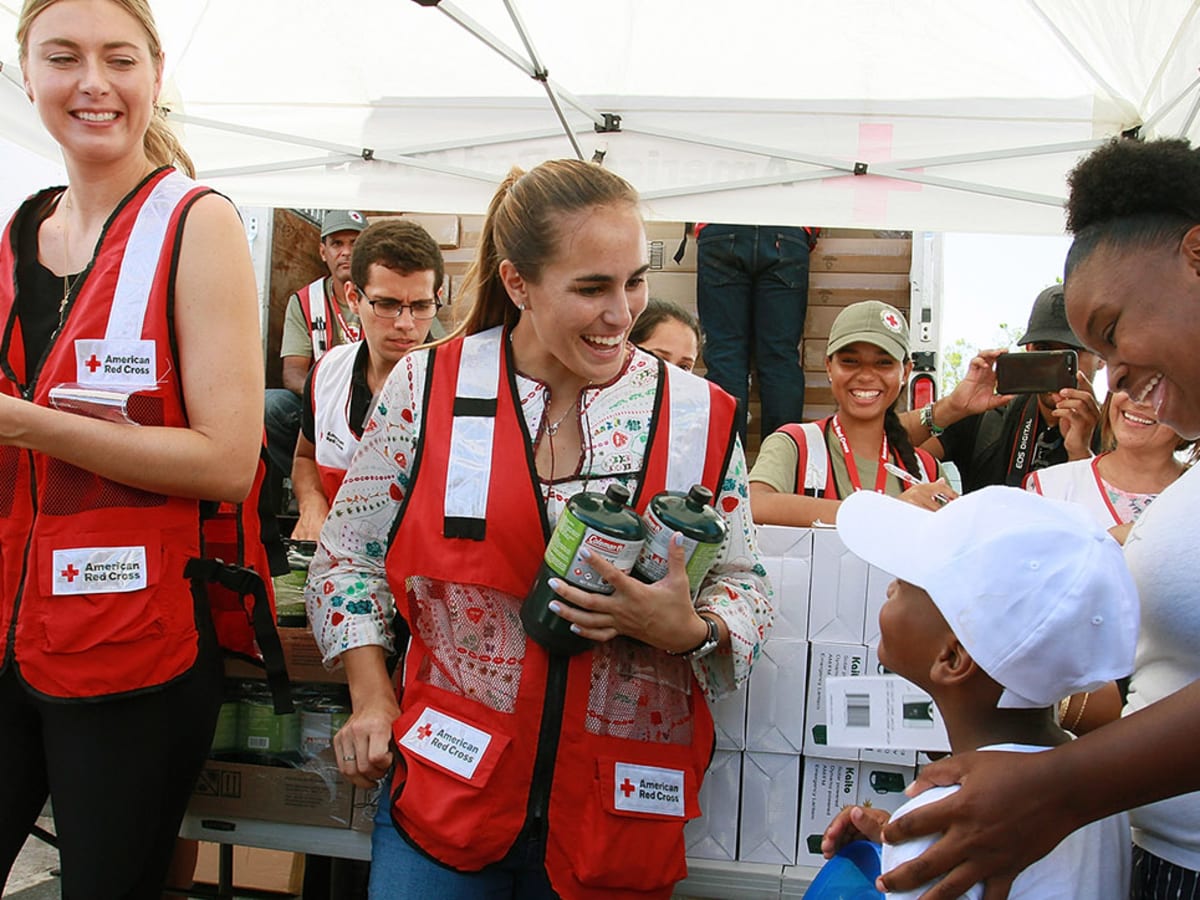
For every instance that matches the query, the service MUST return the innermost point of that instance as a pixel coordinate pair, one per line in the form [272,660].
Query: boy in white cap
[1005,603]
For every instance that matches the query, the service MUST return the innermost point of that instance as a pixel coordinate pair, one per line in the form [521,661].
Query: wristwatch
[706,646]
[927,419]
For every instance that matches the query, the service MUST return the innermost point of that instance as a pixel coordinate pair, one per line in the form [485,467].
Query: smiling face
[1135,426]
[389,339]
[577,315]
[673,342]
[1140,310]
[90,72]
[865,380]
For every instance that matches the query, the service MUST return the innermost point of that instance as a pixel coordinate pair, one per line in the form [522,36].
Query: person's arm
[294,372]
[221,376]
[348,561]
[295,347]
[1014,808]
[772,507]
[976,393]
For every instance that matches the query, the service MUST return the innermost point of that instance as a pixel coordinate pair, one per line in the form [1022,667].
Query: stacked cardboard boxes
[776,782]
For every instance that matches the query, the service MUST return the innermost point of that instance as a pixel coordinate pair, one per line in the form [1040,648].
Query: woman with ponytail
[130,393]
[517,772]
[803,472]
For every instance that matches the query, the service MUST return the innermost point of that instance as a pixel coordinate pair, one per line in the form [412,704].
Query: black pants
[1156,879]
[118,772]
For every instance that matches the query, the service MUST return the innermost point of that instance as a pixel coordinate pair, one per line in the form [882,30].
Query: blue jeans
[752,297]
[281,416]
[400,871]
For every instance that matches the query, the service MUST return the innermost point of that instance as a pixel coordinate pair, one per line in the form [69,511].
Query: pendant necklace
[68,280]
[552,427]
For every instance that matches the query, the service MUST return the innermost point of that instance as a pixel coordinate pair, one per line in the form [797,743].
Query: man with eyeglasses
[395,289]
[993,439]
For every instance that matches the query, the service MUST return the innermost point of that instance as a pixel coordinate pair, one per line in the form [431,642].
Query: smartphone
[1036,371]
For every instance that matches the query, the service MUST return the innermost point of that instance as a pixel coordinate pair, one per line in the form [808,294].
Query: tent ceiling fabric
[967,113]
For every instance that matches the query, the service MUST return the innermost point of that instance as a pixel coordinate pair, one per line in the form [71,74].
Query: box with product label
[894,755]
[274,794]
[714,834]
[787,556]
[883,711]
[828,785]
[838,593]
[828,661]
[776,699]
[770,793]
[882,784]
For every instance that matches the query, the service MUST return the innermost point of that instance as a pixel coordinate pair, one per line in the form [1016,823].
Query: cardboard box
[838,596]
[668,235]
[254,868]
[787,556]
[894,756]
[776,698]
[273,794]
[882,711]
[729,719]
[301,654]
[714,835]
[828,661]
[828,786]
[770,793]
[877,585]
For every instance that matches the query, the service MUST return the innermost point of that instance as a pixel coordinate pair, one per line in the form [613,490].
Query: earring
[521,307]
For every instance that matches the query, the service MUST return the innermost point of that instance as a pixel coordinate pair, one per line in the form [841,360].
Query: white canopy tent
[957,115]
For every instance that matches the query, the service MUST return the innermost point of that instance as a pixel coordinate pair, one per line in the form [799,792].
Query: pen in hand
[909,478]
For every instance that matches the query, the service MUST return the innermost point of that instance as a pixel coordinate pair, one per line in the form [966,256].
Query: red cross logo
[871,191]
[93,364]
[627,787]
[424,731]
[890,320]
[70,572]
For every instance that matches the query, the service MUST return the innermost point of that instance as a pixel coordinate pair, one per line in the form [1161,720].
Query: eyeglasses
[393,309]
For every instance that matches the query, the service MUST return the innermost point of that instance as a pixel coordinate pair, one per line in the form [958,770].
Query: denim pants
[281,415]
[752,297]
[399,870]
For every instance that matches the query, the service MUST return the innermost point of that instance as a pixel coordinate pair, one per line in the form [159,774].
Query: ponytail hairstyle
[1133,195]
[161,146]
[522,226]
[898,438]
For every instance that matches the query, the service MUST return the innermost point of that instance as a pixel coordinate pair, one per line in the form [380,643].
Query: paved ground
[31,877]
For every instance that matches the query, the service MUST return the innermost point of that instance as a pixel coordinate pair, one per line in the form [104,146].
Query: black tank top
[39,291]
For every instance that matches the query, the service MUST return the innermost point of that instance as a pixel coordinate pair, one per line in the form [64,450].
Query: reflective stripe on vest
[334,441]
[140,262]
[473,435]
[689,423]
[316,314]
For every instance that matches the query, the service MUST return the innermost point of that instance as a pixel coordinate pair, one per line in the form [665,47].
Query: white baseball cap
[1035,590]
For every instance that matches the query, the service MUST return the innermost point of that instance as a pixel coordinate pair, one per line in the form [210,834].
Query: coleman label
[129,363]
[99,570]
[446,741]
[649,789]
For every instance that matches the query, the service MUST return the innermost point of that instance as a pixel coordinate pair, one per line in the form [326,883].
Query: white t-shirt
[1161,554]
[1093,862]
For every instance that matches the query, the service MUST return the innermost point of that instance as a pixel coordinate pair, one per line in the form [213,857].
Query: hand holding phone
[1036,371]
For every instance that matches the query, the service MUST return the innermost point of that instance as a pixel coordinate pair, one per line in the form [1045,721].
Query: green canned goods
[605,525]
[260,730]
[693,516]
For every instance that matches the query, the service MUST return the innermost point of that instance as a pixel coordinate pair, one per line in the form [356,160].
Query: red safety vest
[814,474]
[495,736]
[92,570]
